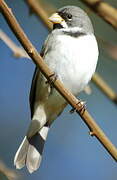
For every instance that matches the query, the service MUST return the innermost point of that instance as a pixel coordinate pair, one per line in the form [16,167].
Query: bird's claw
[81,106]
[52,79]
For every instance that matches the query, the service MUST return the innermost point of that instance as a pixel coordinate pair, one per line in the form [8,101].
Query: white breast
[73,60]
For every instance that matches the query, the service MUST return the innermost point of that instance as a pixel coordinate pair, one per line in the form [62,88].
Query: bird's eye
[69,16]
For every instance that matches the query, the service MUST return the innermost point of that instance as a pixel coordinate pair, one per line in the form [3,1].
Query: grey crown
[79,18]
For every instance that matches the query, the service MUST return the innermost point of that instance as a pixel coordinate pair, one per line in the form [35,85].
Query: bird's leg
[52,79]
[81,106]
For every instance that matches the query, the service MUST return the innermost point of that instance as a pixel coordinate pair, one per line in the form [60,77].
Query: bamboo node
[31,51]
[91,133]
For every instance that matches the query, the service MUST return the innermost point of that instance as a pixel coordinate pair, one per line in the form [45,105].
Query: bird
[71,52]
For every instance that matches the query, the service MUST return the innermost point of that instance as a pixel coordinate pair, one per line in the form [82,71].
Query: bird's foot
[52,79]
[81,106]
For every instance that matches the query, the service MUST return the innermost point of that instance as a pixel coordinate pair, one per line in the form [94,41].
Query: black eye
[69,16]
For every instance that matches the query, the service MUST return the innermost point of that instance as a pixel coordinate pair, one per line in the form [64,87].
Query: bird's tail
[30,151]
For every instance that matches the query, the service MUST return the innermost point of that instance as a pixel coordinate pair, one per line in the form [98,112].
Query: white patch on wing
[44,132]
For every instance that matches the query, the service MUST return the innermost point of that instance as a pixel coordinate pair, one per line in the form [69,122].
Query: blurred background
[70,153]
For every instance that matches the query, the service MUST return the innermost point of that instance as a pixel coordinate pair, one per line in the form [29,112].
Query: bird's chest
[73,60]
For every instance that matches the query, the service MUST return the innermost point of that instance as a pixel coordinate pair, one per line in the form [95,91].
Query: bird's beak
[56,18]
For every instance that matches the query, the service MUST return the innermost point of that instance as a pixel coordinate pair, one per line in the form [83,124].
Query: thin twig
[97,79]
[17,51]
[40,12]
[109,47]
[104,10]
[72,100]
[104,87]
[7,172]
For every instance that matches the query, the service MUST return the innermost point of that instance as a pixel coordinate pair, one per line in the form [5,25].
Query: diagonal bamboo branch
[104,10]
[104,87]
[39,11]
[97,79]
[72,100]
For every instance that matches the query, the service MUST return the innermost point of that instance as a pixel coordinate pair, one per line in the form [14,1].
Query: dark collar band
[74,34]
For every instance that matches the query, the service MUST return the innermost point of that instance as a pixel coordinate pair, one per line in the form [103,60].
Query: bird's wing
[33,84]
[32,91]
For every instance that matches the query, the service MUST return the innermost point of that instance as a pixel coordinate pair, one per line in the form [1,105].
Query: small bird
[71,52]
